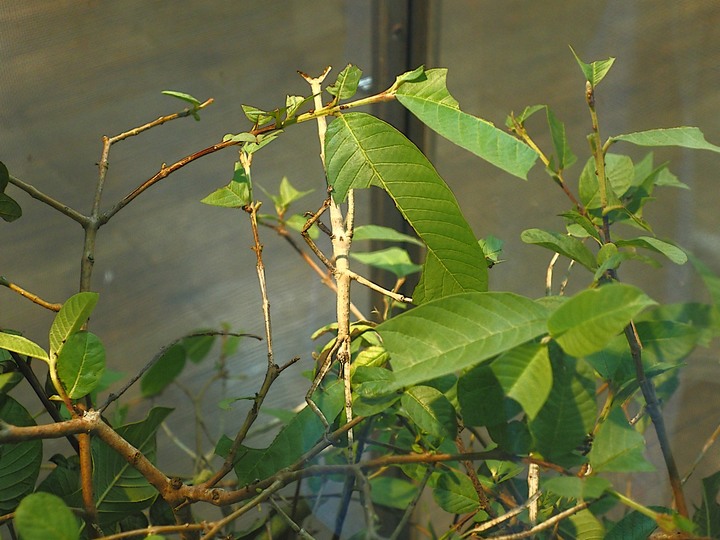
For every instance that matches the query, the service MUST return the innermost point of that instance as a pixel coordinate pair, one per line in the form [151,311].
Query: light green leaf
[369,395]
[596,71]
[71,317]
[378,232]
[454,493]
[618,447]
[81,364]
[119,488]
[672,252]
[364,151]
[523,116]
[392,492]
[565,157]
[589,320]
[286,196]
[457,332]
[492,248]
[525,375]
[346,84]
[43,516]
[685,137]
[236,194]
[19,462]
[394,259]
[9,209]
[428,99]
[22,345]
[183,96]
[8,381]
[565,245]
[258,116]
[241,137]
[430,410]
[582,525]
[164,371]
[409,76]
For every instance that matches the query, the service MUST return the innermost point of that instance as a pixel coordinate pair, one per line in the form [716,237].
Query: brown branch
[30,296]
[35,193]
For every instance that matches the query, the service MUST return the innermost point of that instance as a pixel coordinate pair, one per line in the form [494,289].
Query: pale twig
[711,440]
[377,288]
[155,529]
[500,519]
[411,507]
[302,533]
[549,274]
[533,491]
[30,296]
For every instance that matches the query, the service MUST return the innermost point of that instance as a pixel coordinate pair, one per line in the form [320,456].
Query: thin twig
[411,507]
[501,519]
[711,440]
[544,525]
[35,193]
[30,296]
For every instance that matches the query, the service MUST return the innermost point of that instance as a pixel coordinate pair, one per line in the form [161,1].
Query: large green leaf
[618,447]
[43,516]
[81,364]
[392,492]
[457,332]
[634,526]
[685,137]
[589,320]
[672,252]
[74,313]
[22,345]
[569,412]
[482,398]
[19,462]
[525,375]
[431,411]
[565,245]
[428,98]
[362,151]
[454,492]
[119,488]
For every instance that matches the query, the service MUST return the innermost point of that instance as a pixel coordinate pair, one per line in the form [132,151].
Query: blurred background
[166,264]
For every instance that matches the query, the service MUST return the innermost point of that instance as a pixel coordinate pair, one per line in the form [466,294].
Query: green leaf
[378,232]
[183,96]
[618,447]
[492,248]
[364,151]
[710,279]
[392,492]
[346,84]
[572,487]
[454,493]
[582,525]
[428,99]
[685,137]
[241,137]
[672,252]
[409,76]
[430,410]
[8,381]
[9,209]
[523,116]
[119,488]
[565,245]
[596,71]
[257,116]
[707,516]
[565,157]
[394,259]
[4,177]
[71,317]
[589,320]
[525,375]
[19,462]
[482,398]
[198,347]
[457,332]
[236,194]
[295,438]
[634,526]
[569,412]
[22,345]
[287,195]
[81,364]
[620,175]
[164,371]
[43,516]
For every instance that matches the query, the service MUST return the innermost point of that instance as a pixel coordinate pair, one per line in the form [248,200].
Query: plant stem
[30,296]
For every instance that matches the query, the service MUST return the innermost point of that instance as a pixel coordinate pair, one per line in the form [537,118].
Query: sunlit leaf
[589,320]
[43,516]
[22,345]
[387,234]
[672,252]
[81,364]
[492,248]
[182,96]
[240,137]
[595,71]
[582,525]
[364,151]
[428,99]
[71,317]
[394,259]
[685,137]
[565,245]
[618,447]
[457,332]
[454,493]
[19,462]
[430,410]
[346,84]
[236,194]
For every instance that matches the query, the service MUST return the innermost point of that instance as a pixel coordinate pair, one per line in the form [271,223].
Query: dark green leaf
[454,493]
[685,137]
[81,364]
[618,447]
[482,399]
[595,71]
[198,347]
[707,516]
[364,151]
[119,488]
[572,487]
[43,516]
[428,99]
[589,320]
[9,209]
[164,371]
[378,232]
[4,177]
[392,492]
[430,410]
[8,381]
[565,245]
[394,259]
[19,462]
[71,317]
[634,526]
[346,84]
[565,157]
[457,332]
[183,96]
